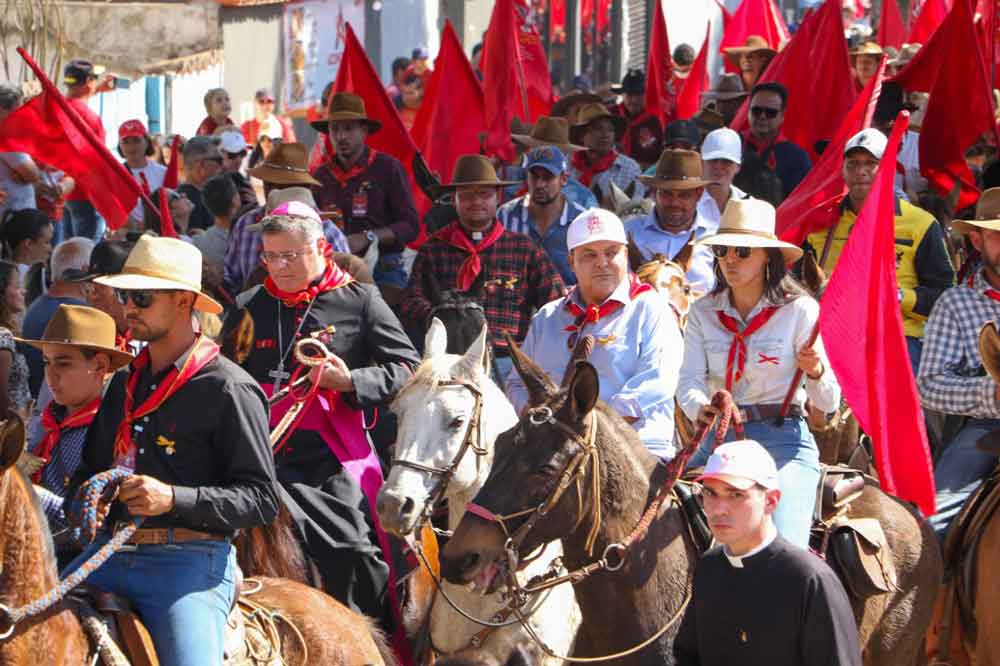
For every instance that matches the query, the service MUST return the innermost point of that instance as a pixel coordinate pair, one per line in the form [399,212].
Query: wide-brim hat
[676,170]
[987,213]
[473,170]
[346,106]
[287,164]
[82,327]
[752,44]
[589,114]
[750,223]
[730,86]
[548,132]
[561,108]
[868,48]
[158,263]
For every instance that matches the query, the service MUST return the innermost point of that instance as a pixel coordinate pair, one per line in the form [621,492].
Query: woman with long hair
[14,391]
[26,238]
[750,335]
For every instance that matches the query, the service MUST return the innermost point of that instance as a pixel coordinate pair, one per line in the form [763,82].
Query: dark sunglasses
[765,111]
[721,251]
[140,298]
[234,156]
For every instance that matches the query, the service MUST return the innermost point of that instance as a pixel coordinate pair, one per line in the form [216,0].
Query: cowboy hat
[474,170]
[868,48]
[573,98]
[548,132]
[676,170]
[634,82]
[345,106]
[158,263]
[709,119]
[85,328]
[730,86]
[750,223]
[287,164]
[753,44]
[590,113]
[987,213]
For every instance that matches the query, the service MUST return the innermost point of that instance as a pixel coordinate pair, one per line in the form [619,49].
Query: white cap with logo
[722,144]
[870,140]
[595,224]
[742,464]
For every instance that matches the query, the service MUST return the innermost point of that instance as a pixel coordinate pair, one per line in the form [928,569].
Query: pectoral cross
[278,374]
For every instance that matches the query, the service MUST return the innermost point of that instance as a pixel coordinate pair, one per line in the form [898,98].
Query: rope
[263,621]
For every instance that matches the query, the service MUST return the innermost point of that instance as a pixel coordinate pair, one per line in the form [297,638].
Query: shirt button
[145,419]
[142,450]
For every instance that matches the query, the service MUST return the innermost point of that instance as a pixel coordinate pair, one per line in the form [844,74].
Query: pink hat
[595,224]
[742,464]
[132,127]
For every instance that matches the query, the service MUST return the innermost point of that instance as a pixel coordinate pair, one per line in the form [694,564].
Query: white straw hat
[750,223]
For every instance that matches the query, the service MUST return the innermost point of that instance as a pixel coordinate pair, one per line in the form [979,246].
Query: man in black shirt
[192,427]
[757,599]
[202,160]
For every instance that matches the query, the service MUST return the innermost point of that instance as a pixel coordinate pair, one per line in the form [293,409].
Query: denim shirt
[514,216]
[650,238]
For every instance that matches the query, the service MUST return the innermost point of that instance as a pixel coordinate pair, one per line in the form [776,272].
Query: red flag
[726,16]
[689,99]
[52,132]
[452,115]
[172,176]
[534,62]
[991,22]
[815,204]
[166,218]
[815,68]
[659,70]
[926,20]
[891,31]
[863,334]
[754,17]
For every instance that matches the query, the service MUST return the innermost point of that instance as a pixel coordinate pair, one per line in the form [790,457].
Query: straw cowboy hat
[750,223]
[987,213]
[676,170]
[730,86]
[346,106]
[868,48]
[287,164]
[549,132]
[85,328]
[590,113]
[753,44]
[474,170]
[158,263]
[561,108]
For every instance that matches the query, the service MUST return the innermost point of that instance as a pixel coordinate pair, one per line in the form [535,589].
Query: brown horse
[625,607]
[332,633]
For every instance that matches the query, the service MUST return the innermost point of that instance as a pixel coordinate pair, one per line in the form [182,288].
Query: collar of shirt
[737,560]
[699,227]
[721,301]
[564,218]
[708,209]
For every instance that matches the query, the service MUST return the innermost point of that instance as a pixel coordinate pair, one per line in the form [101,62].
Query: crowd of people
[106,334]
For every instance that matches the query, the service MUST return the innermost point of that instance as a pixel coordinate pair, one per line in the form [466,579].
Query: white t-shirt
[19,195]
[155,173]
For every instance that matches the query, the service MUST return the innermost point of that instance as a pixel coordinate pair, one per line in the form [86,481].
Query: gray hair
[72,254]
[292,224]
[10,96]
[202,147]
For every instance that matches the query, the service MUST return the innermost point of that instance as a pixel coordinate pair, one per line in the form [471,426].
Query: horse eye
[687,291]
[456,423]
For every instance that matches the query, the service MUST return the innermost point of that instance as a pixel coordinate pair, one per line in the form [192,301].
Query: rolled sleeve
[824,392]
[692,383]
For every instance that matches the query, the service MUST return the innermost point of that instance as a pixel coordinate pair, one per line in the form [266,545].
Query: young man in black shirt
[192,427]
[757,599]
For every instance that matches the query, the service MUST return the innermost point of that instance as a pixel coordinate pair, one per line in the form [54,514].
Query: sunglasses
[140,298]
[765,111]
[234,156]
[721,251]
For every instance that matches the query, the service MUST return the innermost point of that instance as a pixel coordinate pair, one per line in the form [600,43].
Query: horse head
[461,312]
[449,414]
[670,279]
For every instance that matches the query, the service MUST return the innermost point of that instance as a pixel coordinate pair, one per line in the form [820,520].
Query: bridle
[457,305]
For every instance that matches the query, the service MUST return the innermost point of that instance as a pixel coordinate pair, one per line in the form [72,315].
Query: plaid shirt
[529,282]
[57,473]
[951,377]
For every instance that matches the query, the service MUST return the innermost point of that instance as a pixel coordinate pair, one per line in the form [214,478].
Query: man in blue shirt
[544,213]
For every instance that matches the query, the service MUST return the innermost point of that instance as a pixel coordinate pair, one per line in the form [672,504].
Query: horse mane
[429,374]
[17,519]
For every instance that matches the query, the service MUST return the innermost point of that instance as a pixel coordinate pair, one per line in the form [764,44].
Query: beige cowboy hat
[158,263]
[474,170]
[709,119]
[987,213]
[730,86]
[590,113]
[868,48]
[753,44]
[287,164]
[346,106]
[750,223]
[82,327]
[562,108]
[548,132]
[676,170]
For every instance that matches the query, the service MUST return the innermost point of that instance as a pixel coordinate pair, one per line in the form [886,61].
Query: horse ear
[432,287]
[635,256]
[813,277]
[476,356]
[11,441]
[584,389]
[581,352]
[683,258]
[538,384]
[436,339]
[237,336]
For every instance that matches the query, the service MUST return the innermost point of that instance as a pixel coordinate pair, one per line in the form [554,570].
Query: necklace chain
[291,343]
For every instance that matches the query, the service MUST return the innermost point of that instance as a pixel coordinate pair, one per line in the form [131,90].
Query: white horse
[450,414]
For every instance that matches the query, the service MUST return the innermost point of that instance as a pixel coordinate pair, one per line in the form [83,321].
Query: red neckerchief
[632,123]
[738,347]
[122,341]
[988,293]
[588,170]
[333,277]
[470,269]
[209,125]
[53,430]
[760,146]
[343,175]
[203,352]
[594,313]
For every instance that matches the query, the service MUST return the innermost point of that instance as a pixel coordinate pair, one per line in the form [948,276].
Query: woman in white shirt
[749,336]
[135,145]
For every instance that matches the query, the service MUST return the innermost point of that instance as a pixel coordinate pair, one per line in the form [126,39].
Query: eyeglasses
[721,251]
[140,298]
[234,156]
[287,257]
[765,111]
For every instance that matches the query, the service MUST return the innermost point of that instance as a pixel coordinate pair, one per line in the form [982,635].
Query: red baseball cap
[132,127]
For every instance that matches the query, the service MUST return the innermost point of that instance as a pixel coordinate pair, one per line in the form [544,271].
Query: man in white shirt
[720,162]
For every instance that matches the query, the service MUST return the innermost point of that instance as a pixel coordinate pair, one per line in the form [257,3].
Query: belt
[752,413]
[158,536]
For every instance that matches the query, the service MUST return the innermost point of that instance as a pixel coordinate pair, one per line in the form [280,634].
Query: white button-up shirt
[770,360]
[650,238]
[709,210]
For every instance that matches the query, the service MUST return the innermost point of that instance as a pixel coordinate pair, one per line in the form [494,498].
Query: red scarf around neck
[333,277]
[594,313]
[203,352]
[53,430]
[587,169]
[738,347]
[760,146]
[470,269]
[343,175]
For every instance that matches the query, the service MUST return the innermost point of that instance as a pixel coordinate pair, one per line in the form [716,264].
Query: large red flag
[754,17]
[814,204]
[727,17]
[52,132]
[815,68]
[862,331]
[926,19]
[452,115]
[689,98]
[660,99]
[534,61]
[891,31]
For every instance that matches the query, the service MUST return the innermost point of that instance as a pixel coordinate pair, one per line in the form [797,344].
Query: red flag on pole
[926,19]
[754,17]
[534,61]
[167,229]
[689,98]
[172,177]
[660,99]
[891,31]
[726,16]
[862,331]
[452,115]
[52,132]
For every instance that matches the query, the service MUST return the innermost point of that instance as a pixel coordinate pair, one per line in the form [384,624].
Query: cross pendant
[278,374]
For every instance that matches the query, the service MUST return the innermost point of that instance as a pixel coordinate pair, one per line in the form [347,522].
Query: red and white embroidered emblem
[595,225]
[773,360]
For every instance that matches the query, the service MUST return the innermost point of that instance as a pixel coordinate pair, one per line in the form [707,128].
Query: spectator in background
[26,238]
[18,172]
[50,198]
[14,391]
[202,160]
[234,151]
[268,137]
[218,107]
[412,97]
[264,113]
[223,202]
[166,151]
[181,210]
[418,60]
[394,89]
[765,147]
[135,146]
[751,59]
[643,138]
[107,258]
[81,79]
[70,260]
[727,96]
[683,58]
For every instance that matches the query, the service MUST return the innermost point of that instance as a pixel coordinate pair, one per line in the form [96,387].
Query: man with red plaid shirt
[517,276]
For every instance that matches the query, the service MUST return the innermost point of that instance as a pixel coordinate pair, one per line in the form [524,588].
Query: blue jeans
[959,471]
[914,347]
[794,451]
[502,367]
[182,592]
[389,269]
[82,220]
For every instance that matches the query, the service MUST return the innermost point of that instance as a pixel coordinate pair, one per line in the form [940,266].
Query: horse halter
[473,435]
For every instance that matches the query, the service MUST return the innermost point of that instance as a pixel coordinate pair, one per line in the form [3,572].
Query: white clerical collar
[737,561]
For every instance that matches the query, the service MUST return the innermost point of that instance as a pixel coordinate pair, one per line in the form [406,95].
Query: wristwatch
[372,237]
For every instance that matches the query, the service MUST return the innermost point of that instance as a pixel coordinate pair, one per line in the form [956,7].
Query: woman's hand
[706,415]
[810,363]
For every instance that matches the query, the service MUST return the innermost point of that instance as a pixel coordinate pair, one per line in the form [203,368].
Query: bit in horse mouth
[486,581]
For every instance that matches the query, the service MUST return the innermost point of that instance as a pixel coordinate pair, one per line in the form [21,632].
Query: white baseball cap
[232,142]
[870,140]
[722,144]
[595,224]
[742,464]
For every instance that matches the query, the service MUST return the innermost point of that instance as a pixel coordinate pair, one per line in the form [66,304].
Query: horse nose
[457,569]
[397,513]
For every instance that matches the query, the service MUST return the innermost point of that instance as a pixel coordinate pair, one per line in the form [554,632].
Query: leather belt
[752,413]
[158,536]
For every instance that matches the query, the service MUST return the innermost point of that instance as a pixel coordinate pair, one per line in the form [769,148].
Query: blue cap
[549,158]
